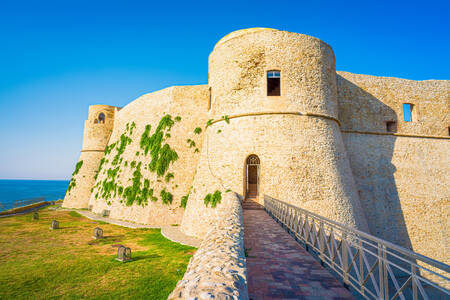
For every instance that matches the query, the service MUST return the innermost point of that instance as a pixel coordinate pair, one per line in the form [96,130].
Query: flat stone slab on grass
[279,268]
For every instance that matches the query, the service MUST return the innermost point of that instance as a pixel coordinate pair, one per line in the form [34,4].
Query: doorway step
[250,203]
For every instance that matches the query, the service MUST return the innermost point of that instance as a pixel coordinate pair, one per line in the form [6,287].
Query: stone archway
[252,176]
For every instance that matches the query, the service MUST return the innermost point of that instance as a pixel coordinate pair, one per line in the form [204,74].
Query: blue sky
[59,57]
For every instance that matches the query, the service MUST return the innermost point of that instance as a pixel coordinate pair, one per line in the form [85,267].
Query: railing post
[322,242]
[361,267]
[306,230]
[301,222]
[344,249]
[385,273]
[413,281]
[380,272]
[295,226]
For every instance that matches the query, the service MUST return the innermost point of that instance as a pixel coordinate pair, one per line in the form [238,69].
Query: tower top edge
[246,31]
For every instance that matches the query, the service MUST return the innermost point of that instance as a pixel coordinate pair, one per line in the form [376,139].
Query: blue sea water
[12,191]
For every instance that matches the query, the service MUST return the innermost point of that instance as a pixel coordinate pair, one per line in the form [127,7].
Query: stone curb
[218,268]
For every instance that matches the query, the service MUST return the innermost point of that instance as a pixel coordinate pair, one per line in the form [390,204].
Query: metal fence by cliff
[373,267]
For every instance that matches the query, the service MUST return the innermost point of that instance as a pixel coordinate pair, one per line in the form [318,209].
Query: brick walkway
[279,268]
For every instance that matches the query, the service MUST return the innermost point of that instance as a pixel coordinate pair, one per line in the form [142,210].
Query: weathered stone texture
[367,102]
[191,104]
[95,138]
[404,187]
[303,162]
[323,144]
[238,66]
[403,181]
[303,159]
[217,270]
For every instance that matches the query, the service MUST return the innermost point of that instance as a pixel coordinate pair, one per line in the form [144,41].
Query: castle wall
[404,189]
[95,138]
[367,102]
[303,162]
[323,144]
[188,102]
[295,135]
[402,178]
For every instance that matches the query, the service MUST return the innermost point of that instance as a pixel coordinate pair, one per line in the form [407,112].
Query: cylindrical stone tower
[97,130]
[275,129]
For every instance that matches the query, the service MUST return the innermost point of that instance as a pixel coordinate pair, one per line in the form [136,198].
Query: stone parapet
[218,268]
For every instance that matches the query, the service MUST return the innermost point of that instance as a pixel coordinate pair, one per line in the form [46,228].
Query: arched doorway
[252,176]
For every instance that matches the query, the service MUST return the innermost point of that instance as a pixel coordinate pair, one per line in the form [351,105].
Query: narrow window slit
[273,83]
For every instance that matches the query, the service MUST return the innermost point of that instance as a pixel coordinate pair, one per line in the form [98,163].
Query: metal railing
[22,202]
[374,267]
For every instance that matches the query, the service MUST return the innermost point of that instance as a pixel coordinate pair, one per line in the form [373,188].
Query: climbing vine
[108,187]
[139,191]
[168,177]
[73,182]
[191,143]
[161,155]
[185,199]
[166,197]
[213,199]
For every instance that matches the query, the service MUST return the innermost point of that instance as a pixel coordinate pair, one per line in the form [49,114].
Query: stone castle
[276,119]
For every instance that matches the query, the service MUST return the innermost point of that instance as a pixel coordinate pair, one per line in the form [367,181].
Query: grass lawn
[39,263]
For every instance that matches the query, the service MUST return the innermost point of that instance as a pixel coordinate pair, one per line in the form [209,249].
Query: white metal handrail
[376,268]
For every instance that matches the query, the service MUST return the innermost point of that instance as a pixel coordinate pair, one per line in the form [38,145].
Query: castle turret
[274,128]
[97,130]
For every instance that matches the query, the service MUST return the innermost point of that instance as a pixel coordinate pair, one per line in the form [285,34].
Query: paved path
[172,233]
[279,268]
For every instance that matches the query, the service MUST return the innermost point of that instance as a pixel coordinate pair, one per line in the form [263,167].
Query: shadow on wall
[371,160]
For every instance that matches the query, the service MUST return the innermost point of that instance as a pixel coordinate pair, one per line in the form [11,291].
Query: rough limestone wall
[188,102]
[239,63]
[218,270]
[404,187]
[402,181]
[303,162]
[303,159]
[95,139]
[367,102]
[78,196]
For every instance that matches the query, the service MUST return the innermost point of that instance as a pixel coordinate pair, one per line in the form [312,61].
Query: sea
[16,192]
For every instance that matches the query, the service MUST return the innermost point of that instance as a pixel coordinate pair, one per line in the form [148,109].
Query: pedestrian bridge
[295,254]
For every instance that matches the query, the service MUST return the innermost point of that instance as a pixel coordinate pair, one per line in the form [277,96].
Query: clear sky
[59,57]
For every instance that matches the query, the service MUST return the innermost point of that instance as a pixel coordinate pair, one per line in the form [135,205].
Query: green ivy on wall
[162,156]
[213,199]
[73,182]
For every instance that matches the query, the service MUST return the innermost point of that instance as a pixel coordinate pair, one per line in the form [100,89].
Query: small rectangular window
[391,126]
[273,83]
[408,112]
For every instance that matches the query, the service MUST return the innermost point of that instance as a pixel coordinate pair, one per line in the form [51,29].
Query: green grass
[39,263]
[74,214]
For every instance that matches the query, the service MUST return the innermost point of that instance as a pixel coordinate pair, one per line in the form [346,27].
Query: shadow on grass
[137,257]
[106,240]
